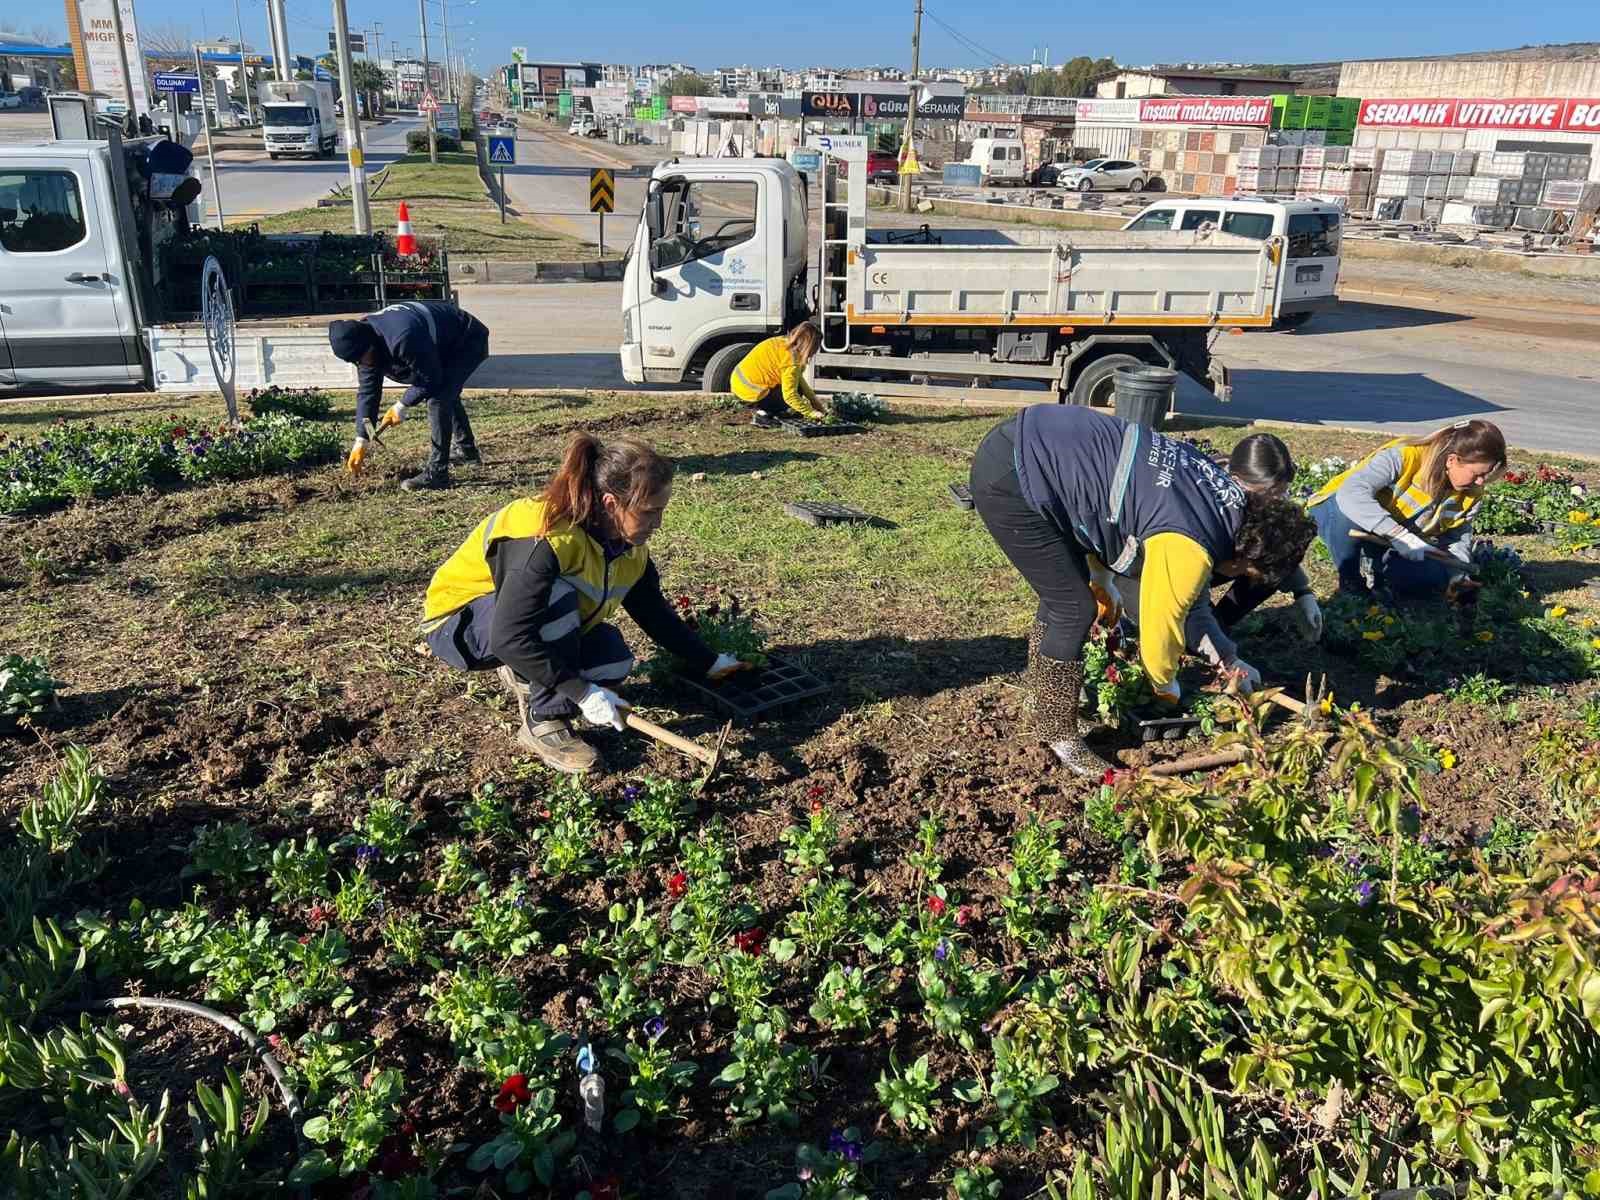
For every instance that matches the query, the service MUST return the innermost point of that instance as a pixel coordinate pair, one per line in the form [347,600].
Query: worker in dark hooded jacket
[431,345]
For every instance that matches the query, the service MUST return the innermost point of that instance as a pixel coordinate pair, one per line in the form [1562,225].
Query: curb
[487,271]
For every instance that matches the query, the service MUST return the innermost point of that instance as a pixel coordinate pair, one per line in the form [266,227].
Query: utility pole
[427,84]
[211,154]
[449,78]
[280,25]
[911,109]
[352,121]
[244,74]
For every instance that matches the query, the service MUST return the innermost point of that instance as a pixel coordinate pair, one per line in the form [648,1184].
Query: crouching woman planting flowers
[532,588]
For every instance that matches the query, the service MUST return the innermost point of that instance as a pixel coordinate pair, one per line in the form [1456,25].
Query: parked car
[882,166]
[1311,231]
[1046,174]
[10,100]
[1104,175]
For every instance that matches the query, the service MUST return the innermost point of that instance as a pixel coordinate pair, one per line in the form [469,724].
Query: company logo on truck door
[1207,110]
[1535,114]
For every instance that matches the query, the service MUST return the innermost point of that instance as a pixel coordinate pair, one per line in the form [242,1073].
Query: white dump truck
[298,117]
[722,258]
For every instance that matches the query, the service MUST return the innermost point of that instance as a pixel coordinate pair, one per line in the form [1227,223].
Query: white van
[1310,228]
[1000,159]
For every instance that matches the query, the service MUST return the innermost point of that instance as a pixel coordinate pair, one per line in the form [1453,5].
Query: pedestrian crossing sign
[502,151]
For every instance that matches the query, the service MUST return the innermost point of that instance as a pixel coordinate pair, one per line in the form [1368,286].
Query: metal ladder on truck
[844,221]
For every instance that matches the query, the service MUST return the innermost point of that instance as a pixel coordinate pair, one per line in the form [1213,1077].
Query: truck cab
[68,309]
[718,263]
[299,117]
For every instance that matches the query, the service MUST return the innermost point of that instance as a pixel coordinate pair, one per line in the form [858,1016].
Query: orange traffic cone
[404,242]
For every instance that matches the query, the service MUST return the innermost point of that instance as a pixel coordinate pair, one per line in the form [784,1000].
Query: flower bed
[83,461]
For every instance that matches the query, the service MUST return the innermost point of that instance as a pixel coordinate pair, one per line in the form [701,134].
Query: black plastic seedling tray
[825,512]
[820,428]
[962,495]
[1167,729]
[749,695]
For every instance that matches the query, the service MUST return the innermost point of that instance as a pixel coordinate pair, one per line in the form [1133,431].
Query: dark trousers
[462,640]
[1398,573]
[1051,561]
[447,416]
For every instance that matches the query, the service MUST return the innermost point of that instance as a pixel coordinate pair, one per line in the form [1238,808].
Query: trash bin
[1144,394]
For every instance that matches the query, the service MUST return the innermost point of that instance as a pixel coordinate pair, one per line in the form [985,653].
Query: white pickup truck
[722,259]
[81,229]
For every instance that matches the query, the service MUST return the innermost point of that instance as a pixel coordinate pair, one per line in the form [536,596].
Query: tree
[686,85]
[367,76]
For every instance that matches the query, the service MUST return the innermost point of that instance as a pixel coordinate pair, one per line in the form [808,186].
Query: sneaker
[468,457]
[427,481]
[763,420]
[558,747]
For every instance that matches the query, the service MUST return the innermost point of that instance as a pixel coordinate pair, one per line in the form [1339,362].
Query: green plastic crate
[1340,137]
[1344,113]
[1279,101]
[1317,112]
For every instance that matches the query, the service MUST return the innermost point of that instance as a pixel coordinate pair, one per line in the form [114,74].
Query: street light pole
[352,121]
[911,108]
[449,77]
[427,81]
[244,74]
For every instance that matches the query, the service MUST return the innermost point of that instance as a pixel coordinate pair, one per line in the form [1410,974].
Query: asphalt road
[1371,364]
[550,182]
[253,185]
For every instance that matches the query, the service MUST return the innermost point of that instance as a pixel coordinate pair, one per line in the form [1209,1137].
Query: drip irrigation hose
[257,1047]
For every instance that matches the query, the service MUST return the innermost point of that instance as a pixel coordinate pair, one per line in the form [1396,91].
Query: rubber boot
[1056,687]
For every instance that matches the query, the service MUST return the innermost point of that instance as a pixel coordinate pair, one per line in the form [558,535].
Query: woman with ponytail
[1421,494]
[532,588]
[771,379]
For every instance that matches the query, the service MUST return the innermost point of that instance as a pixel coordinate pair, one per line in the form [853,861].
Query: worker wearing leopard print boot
[1074,498]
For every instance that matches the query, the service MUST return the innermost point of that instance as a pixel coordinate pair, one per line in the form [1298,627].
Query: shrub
[417,142]
[310,403]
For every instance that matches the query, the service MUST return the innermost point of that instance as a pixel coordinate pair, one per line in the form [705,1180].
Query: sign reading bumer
[1572,116]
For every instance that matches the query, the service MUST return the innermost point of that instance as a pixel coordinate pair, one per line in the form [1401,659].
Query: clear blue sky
[838,33]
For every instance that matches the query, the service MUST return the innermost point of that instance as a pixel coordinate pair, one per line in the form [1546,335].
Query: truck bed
[287,351]
[1067,277]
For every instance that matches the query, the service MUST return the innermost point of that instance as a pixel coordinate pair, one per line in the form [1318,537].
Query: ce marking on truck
[880,279]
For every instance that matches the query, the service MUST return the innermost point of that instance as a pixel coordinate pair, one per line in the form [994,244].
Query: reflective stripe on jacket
[597,586]
[1408,496]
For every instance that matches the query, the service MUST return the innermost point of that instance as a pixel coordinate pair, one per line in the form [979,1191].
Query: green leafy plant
[487,814]
[358,897]
[298,873]
[567,840]
[769,1077]
[1036,862]
[26,688]
[858,406]
[70,796]
[655,1079]
[309,403]
[725,626]
[358,1118]
[660,810]
[808,846]
[232,852]
[909,1095]
[407,938]
[501,923]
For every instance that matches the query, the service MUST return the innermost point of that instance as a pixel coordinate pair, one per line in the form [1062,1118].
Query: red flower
[180,431]
[1109,779]
[1113,675]
[395,1159]
[513,1092]
[677,884]
[1514,477]
[752,941]
[1113,641]
[966,915]
[608,1188]
[317,914]
[684,602]
[936,905]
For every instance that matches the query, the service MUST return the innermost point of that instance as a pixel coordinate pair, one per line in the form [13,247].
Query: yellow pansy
[1559,610]
[1447,758]
[1595,643]
[1373,635]
[1375,610]
[1486,635]
[1585,622]
[1388,621]
[1327,701]
[1579,517]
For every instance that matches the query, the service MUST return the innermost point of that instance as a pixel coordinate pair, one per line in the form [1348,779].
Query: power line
[982,51]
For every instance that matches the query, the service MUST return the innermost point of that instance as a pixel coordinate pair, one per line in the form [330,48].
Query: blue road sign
[806,160]
[322,73]
[502,151]
[962,174]
[177,81]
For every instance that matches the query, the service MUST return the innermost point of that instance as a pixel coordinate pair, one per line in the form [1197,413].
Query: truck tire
[272,154]
[1096,383]
[718,375]
[1294,320]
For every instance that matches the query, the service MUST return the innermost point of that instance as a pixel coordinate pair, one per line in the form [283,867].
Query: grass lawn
[892,951]
[447,201]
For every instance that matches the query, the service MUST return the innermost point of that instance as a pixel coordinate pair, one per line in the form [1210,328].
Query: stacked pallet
[1200,161]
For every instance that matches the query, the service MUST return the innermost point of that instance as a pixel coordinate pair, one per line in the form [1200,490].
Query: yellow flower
[1373,635]
[1327,701]
[1595,643]
[1486,635]
[1447,758]
[1559,610]
[1579,517]
[1585,622]
[1388,621]
[1375,610]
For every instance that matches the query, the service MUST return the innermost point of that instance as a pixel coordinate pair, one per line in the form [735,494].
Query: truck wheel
[272,154]
[1294,320]
[1096,383]
[718,375]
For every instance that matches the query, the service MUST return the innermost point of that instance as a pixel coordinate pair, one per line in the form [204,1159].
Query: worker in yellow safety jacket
[533,587]
[772,377]
[1420,495]
[1076,498]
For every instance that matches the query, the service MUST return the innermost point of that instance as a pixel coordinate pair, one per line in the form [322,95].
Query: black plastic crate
[820,428]
[825,512]
[1167,729]
[749,695]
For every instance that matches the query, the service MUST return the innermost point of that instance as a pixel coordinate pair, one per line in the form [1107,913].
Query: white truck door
[1311,262]
[64,303]
[712,270]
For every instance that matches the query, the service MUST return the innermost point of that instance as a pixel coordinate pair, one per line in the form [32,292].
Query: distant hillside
[1326,74]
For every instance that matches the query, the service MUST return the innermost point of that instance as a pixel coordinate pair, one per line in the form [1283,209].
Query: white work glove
[1169,694]
[1409,547]
[393,417]
[1245,677]
[601,706]
[1308,617]
[1107,599]
[725,665]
